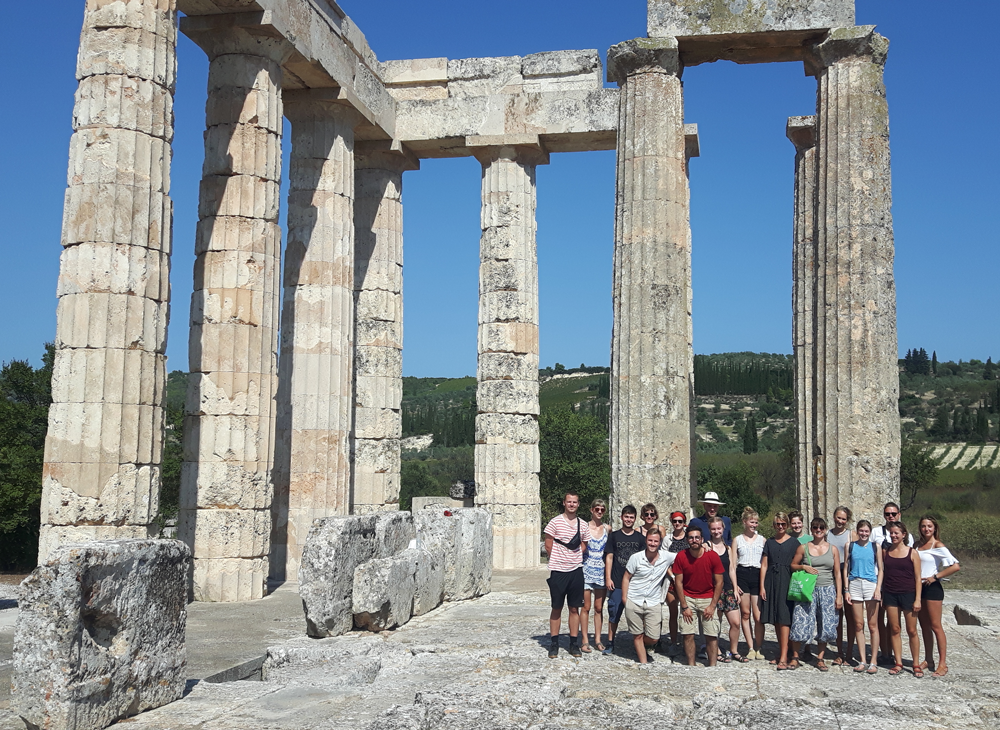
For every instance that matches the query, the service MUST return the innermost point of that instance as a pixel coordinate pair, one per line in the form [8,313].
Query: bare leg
[914,636]
[858,612]
[745,615]
[932,609]
[598,614]
[758,630]
[712,649]
[734,631]
[585,619]
[782,631]
[689,648]
[851,632]
[892,614]
[872,609]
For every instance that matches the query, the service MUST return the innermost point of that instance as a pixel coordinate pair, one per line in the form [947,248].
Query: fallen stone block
[385,589]
[100,633]
[393,533]
[334,549]
[429,592]
[465,539]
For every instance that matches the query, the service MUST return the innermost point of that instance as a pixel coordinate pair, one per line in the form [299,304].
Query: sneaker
[554,647]
[609,649]
[574,648]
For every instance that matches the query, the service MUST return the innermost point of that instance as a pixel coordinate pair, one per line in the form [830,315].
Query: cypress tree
[934,362]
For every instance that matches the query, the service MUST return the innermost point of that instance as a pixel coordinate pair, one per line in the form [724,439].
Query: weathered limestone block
[708,17]
[651,352]
[562,71]
[393,533]
[389,591]
[100,633]
[334,549]
[465,539]
[104,443]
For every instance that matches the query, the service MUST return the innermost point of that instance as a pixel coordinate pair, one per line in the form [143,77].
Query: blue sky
[943,104]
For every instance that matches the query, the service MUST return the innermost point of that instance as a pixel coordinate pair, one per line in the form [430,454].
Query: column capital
[643,55]
[239,33]
[802,132]
[859,42]
[526,149]
[384,154]
[300,104]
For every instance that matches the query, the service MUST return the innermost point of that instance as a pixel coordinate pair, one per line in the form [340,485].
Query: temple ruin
[275,439]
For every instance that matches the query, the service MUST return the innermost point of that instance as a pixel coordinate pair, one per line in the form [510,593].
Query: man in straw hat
[711,504]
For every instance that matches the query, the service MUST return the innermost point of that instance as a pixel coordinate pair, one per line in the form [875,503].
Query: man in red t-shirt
[698,585]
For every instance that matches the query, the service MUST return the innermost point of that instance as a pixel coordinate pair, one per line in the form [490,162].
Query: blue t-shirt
[702,522]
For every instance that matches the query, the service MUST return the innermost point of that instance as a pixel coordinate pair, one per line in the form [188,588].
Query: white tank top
[748,552]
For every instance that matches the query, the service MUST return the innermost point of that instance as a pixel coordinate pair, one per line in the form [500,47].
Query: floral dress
[593,564]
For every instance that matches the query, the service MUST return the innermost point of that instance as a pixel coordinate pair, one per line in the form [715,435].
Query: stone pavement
[483,662]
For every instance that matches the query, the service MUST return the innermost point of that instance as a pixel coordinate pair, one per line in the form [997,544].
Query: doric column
[507,460]
[105,437]
[651,369]
[312,465]
[857,378]
[802,133]
[378,325]
[226,487]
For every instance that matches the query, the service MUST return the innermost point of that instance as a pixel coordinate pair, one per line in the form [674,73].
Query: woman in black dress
[775,575]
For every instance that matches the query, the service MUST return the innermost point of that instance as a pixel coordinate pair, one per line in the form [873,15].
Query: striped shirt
[562,559]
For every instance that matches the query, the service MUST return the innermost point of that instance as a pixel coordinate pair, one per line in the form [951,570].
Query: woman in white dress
[936,564]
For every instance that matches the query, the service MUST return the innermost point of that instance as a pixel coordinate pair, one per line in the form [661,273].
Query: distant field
[966,456]
[565,391]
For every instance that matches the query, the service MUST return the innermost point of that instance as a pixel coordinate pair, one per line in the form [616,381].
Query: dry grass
[977,575]
[12,578]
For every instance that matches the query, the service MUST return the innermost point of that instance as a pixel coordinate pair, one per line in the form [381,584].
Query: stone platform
[483,663]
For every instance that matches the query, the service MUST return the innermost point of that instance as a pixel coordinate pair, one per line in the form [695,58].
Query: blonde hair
[599,503]
[781,516]
[749,513]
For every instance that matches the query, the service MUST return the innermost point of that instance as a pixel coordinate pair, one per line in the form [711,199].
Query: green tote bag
[801,587]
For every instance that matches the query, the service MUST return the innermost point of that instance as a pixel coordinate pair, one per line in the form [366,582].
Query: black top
[623,547]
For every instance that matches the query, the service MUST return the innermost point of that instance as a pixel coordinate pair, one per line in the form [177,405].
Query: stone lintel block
[507,366]
[504,428]
[711,17]
[512,337]
[643,55]
[378,392]
[112,213]
[506,460]
[560,63]
[128,52]
[802,132]
[53,536]
[101,375]
[508,396]
[334,549]
[124,102]
[377,423]
[114,268]
[384,589]
[226,533]
[100,633]
[393,533]
[484,76]
[414,71]
[225,580]
[854,43]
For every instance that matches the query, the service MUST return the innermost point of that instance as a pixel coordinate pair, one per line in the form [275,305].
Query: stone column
[802,133]
[857,377]
[313,469]
[652,384]
[226,487]
[105,436]
[507,460]
[378,325]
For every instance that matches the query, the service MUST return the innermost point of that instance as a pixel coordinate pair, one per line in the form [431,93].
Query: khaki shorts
[643,619]
[709,628]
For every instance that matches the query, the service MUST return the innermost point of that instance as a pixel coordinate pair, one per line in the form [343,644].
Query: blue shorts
[615,606]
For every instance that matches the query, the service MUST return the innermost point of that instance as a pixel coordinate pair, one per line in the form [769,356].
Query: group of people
[675,582]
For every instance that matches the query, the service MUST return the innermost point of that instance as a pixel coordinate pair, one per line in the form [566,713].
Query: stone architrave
[652,384]
[312,461]
[802,133]
[506,454]
[378,325]
[857,383]
[226,487]
[104,443]
[100,633]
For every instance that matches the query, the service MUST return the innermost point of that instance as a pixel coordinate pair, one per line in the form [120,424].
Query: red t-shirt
[698,574]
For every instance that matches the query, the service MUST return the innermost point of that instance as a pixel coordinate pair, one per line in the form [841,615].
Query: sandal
[895,670]
[940,672]
[794,664]
[821,666]
[740,658]
[599,646]
[585,648]
[839,661]
[861,667]
[726,658]
[872,669]
[781,667]
[918,672]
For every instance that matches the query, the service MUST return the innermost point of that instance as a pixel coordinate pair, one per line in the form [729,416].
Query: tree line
[746,375]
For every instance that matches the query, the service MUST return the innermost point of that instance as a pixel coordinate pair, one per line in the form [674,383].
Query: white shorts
[861,590]
[592,587]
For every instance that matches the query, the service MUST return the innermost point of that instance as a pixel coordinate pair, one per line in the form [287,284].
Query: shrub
[971,535]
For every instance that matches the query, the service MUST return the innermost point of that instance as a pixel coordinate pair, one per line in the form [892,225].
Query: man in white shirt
[642,593]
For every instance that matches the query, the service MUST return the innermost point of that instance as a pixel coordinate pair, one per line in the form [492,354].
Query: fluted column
[857,377]
[651,365]
[378,325]
[226,487]
[507,461]
[802,133]
[313,469]
[105,437]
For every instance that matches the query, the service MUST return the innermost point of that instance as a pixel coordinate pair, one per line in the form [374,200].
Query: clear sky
[943,102]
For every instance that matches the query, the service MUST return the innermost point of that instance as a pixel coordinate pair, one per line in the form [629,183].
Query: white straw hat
[711,498]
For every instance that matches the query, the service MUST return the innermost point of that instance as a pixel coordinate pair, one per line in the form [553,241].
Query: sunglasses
[649,514]
[781,524]
[678,522]
[597,509]
[889,514]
